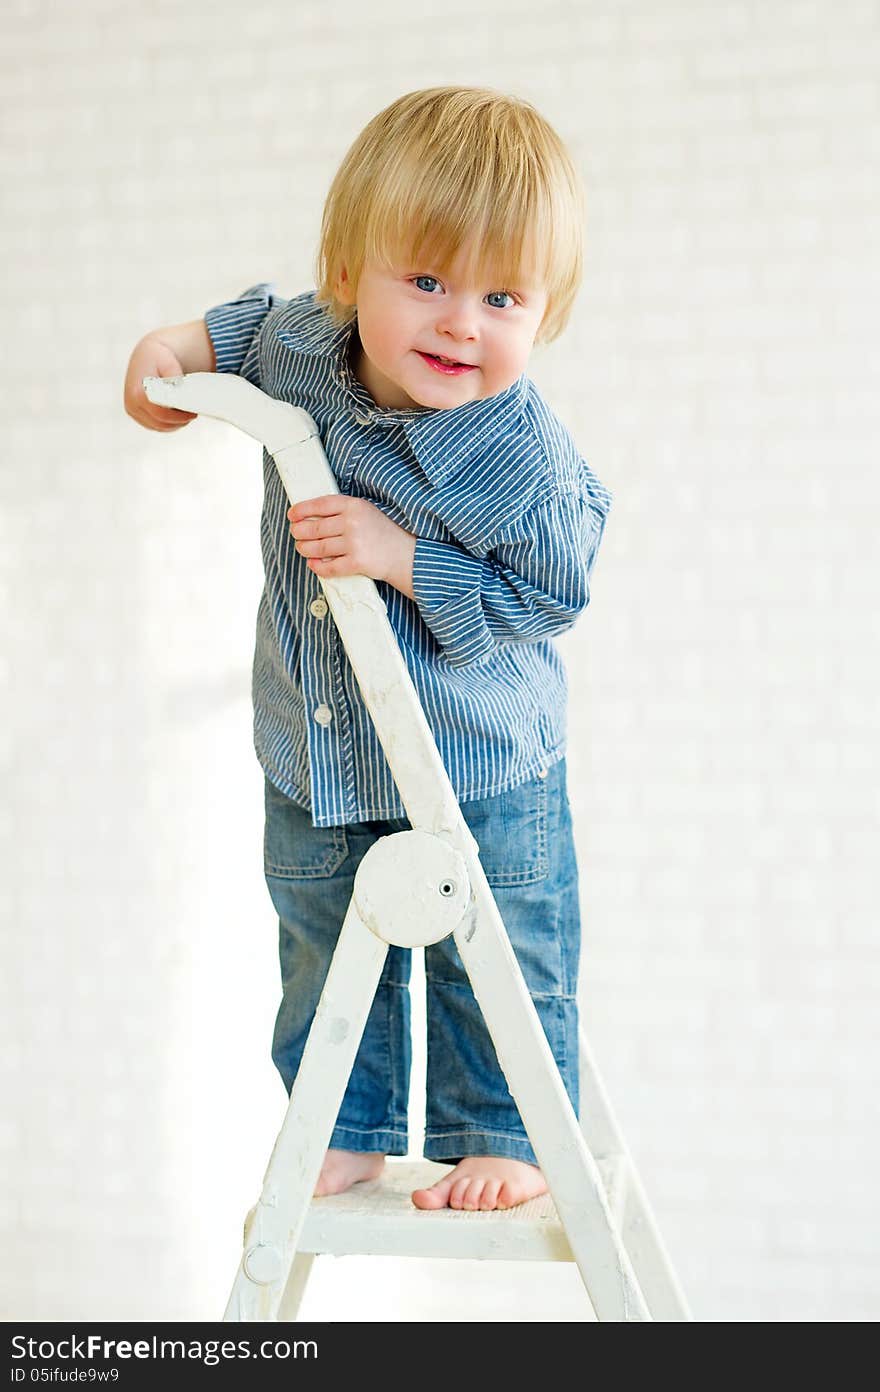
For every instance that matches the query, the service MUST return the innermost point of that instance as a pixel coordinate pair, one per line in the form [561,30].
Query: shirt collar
[442,441]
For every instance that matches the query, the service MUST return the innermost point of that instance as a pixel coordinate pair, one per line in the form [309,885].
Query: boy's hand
[340,535]
[169,352]
[152,358]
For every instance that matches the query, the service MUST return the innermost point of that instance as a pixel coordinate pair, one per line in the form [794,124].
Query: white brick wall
[721,378]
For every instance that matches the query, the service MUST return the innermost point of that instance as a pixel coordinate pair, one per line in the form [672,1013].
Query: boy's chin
[444,395]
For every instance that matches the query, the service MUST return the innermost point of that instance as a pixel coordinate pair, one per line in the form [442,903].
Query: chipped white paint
[272,1274]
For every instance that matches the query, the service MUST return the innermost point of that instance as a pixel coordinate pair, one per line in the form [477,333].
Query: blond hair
[441,166]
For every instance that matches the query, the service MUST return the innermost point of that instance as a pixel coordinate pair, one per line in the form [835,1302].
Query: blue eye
[431,283]
[499,295]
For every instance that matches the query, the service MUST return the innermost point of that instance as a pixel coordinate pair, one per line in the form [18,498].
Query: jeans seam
[535,995]
[542,826]
[462,1143]
[371,1130]
[392,1063]
[444,1135]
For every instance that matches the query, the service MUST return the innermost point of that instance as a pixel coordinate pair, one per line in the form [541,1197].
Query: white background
[720,375]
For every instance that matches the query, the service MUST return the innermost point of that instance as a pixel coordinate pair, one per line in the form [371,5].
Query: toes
[471,1197]
[458,1191]
[489,1196]
[506,1198]
[435,1197]
[475,1192]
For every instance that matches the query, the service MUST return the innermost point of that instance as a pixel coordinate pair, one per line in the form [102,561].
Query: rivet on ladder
[262,1264]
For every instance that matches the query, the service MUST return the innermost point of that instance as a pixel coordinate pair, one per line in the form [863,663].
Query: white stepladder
[412,889]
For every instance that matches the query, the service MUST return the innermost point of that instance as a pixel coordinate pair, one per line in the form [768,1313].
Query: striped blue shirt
[508,518]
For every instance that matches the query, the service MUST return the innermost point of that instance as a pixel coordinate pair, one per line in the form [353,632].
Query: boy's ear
[343,288]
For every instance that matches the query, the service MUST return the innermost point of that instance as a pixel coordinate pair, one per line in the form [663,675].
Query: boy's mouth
[449,366]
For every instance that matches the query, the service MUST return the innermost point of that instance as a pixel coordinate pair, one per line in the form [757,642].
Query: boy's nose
[458,321]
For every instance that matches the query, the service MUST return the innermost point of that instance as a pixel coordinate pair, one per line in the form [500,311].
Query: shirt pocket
[511,832]
[294,849]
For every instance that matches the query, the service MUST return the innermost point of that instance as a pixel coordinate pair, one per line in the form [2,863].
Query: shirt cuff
[446,586]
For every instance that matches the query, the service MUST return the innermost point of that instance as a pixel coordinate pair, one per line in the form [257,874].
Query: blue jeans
[527,852]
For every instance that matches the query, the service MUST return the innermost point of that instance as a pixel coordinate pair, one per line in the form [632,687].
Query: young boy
[451,243]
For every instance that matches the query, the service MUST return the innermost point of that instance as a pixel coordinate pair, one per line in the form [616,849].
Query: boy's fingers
[159,417]
[326,548]
[316,507]
[332,567]
[307,528]
[172,415]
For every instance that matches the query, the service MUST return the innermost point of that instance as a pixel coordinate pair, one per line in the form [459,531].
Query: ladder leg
[638,1227]
[571,1172]
[273,1228]
[300,1272]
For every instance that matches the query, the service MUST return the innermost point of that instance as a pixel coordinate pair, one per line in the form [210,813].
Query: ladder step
[378,1218]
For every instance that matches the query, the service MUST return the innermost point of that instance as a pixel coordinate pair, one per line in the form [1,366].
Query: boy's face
[411,316]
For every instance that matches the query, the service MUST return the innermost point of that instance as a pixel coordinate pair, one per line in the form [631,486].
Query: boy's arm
[225,340]
[531,585]
[167,352]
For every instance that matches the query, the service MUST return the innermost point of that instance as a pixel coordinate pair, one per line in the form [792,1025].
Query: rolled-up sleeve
[234,330]
[531,585]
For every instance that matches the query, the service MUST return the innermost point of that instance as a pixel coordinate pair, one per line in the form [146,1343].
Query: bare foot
[482,1183]
[343,1168]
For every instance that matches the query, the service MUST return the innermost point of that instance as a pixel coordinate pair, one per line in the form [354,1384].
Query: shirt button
[318,607]
[323,715]
[542,773]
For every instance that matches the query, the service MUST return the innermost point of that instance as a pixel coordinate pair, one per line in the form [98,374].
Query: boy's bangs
[427,227]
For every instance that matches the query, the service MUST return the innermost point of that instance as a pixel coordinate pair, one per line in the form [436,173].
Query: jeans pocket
[294,849]
[511,832]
